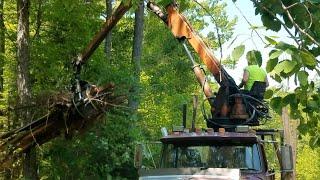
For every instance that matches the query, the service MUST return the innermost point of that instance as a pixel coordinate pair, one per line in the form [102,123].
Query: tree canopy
[59,30]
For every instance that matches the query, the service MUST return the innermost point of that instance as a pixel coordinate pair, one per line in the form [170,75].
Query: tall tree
[38,18]
[23,83]
[2,43]
[109,36]
[2,55]
[136,54]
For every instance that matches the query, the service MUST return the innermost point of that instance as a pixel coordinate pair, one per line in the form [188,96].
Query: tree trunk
[290,137]
[136,55]
[2,43]
[108,40]
[23,83]
[38,19]
[7,174]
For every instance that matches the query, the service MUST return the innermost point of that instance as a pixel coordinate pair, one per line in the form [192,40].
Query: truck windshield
[241,157]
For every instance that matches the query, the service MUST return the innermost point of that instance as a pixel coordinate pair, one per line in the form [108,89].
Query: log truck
[230,148]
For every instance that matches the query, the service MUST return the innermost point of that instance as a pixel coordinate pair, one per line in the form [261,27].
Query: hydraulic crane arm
[222,108]
[180,29]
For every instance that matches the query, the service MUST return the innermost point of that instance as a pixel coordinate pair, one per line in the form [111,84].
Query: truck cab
[210,155]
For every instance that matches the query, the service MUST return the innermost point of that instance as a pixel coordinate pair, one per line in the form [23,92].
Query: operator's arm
[244,78]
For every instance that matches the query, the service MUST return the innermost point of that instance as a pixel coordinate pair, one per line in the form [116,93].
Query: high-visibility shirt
[256,73]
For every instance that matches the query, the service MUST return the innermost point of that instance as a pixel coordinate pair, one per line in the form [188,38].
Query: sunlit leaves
[303,78]
[271,64]
[296,61]
[238,52]
[285,66]
[308,59]
[284,46]
[270,40]
[275,54]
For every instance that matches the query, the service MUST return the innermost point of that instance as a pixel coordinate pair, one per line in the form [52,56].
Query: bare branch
[292,5]
[248,22]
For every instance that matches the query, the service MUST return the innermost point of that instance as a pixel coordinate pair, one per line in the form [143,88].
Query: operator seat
[258,89]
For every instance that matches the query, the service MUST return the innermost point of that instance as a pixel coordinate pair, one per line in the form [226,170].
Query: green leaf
[285,66]
[308,59]
[268,94]
[289,99]
[270,23]
[271,64]
[275,54]
[303,78]
[313,105]
[276,104]
[289,51]
[277,78]
[284,46]
[254,57]
[288,66]
[318,71]
[270,40]
[238,52]
[280,67]
[296,57]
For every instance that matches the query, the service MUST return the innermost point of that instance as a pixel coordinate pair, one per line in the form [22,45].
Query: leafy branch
[302,31]
[274,16]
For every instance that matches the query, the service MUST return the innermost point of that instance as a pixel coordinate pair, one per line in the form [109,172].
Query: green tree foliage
[104,152]
[308,160]
[300,19]
[295,61]
[57,36]
[59,30]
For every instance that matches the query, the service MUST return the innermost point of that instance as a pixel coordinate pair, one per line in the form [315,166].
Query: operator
[253,73]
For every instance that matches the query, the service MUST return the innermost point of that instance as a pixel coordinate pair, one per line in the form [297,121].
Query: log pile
[66,116]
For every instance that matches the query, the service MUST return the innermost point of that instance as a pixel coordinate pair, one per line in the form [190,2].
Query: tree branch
[249,23]
[297,26]
[274,16]
[292,5]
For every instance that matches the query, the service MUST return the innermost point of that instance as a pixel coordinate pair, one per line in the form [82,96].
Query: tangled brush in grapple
[65,116]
